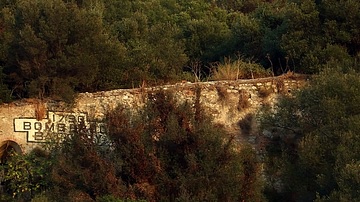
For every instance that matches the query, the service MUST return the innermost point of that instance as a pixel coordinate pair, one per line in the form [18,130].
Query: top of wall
[228,102]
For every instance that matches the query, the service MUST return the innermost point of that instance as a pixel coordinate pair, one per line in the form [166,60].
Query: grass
[238,69]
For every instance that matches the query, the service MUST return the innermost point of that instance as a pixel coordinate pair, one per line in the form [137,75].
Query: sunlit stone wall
[233,104]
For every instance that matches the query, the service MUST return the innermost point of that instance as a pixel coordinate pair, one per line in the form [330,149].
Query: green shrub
[26,175]
[315,146]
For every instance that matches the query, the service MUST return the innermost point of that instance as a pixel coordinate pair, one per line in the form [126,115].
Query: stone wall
[232,104]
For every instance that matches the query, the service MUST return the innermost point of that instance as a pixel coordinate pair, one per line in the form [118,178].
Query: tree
[6,36]
[243,6]
[303,44]
[247,35]
[313,27]
[5,93]
[155,50]
[314,142]
[339,20]
[205,30]
[59,48]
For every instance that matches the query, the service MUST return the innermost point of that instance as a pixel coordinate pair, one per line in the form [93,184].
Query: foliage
[59,47]
[314,145]
[247,34]
[26,175]
[172,153]
[110,198]
[81,171]
[155,51]
[167,151]
[238,69]
[243,6]
[5,94]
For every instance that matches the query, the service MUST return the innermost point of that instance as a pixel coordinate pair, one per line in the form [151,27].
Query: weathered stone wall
[231,103]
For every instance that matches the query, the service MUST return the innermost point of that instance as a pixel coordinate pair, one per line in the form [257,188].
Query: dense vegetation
[172,152]
[166,152]
[314,151]
[53,48]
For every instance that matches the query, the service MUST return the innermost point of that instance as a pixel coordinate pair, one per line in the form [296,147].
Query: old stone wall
[233,104]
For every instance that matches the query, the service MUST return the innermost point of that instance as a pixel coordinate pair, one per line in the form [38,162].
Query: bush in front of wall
[169,154]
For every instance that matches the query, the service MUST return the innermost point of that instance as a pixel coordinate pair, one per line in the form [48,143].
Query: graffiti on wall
[58,125]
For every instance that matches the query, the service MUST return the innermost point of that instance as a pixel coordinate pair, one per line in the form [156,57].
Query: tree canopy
[314,149]
[51,48]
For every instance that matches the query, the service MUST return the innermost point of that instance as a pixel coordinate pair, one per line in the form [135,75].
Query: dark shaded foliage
[170,153]
[166,151]
[56,48]
[310,150]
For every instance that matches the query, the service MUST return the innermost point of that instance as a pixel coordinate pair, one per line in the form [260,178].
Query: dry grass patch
[238,69]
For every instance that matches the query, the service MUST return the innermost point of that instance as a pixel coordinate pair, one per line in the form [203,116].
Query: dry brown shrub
[243,100]
[40,110]
[147,189]
[222,93]
[245,124]
[264,92]
[280,85]
[79,196]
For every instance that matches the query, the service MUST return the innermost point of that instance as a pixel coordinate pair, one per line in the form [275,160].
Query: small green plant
[41,198]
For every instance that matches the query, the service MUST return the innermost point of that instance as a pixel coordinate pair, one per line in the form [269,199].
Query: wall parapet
[228,102]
